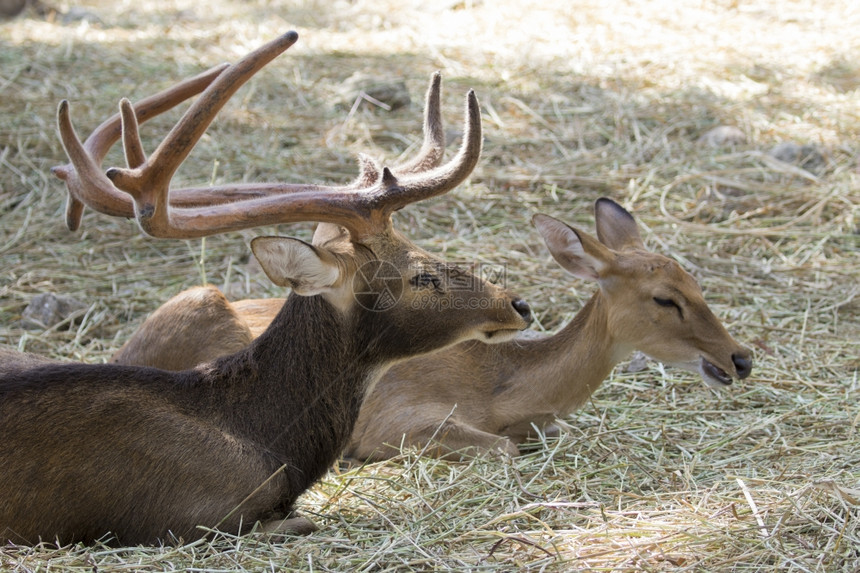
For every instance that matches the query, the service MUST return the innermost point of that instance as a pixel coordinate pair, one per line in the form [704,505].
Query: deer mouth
[713,375]
[496,336]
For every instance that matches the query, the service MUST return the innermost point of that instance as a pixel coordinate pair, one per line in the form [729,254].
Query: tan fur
[200,319]
[12,361]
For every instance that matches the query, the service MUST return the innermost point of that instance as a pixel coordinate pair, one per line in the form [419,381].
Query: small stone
[638,363]
[48,309]
[723,136]
[378,92]
[808,156]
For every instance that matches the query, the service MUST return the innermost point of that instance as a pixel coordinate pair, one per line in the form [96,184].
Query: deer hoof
[506,448]
[288,526]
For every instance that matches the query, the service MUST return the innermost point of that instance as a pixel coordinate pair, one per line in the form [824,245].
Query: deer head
[654,305]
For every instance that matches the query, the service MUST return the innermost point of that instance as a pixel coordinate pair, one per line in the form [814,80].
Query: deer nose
[523,309]
[743,363]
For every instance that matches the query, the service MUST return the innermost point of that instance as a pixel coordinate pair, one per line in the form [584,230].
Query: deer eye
[425,280]
[669,303]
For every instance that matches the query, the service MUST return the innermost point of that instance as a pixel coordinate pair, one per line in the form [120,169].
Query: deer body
[482,397]
[146,454]
[477,397]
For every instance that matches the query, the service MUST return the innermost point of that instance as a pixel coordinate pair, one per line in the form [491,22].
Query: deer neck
[556,374]
[304,376]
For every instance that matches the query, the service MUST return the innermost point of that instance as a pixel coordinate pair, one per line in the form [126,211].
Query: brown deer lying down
[481,397]
[148,454]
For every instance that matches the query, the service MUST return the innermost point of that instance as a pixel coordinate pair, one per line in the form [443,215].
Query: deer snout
[523,309]
[743,363]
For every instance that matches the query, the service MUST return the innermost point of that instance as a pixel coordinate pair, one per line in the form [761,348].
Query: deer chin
[713,375]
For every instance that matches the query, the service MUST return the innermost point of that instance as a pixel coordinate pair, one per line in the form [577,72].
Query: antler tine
[429,156]
[433,148]
[400,191]
[85,182]
[148,183]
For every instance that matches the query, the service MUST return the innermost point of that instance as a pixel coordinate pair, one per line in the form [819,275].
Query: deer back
[194,327]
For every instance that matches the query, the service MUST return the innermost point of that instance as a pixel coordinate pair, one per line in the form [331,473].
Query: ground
[580,100]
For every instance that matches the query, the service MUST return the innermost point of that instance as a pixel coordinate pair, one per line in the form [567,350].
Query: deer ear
[616,227]
[290,262]
[577,252]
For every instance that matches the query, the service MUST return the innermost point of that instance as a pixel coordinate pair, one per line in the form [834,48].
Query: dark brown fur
[144,453]
[147,454]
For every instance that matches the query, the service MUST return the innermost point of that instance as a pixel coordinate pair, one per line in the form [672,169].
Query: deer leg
[431,430]
[454,439]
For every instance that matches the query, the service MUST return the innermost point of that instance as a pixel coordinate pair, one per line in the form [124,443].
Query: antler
[86,183]
[364,207]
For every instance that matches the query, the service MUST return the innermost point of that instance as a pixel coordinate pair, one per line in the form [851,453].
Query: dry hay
[580,99]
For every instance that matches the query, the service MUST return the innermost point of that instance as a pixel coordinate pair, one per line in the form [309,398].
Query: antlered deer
[482,397]
[147,454]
